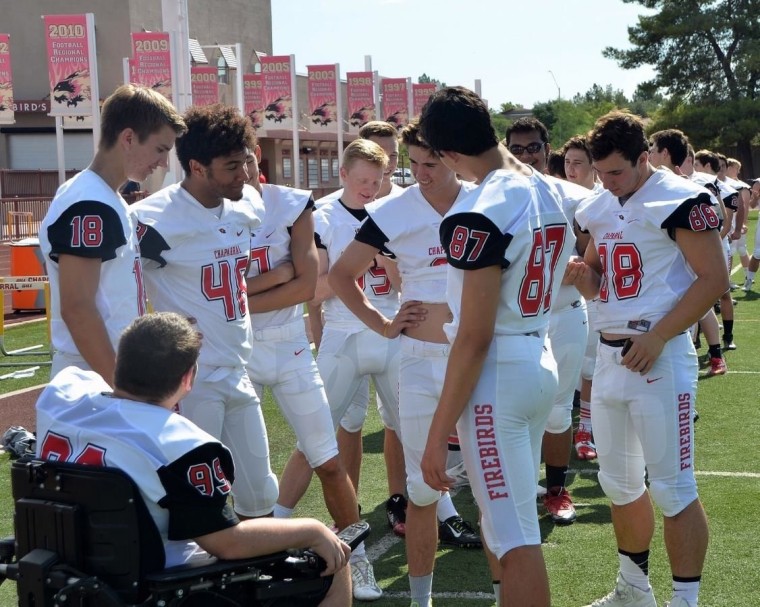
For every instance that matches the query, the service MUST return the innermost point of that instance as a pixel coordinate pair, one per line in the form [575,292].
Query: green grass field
[581,558]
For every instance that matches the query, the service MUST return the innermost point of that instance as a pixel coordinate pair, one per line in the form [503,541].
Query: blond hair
[364,149]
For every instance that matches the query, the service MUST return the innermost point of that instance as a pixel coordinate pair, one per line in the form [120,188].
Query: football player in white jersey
[89,239]
[739,245]
[385,135]
[182,472]
[196,242]
[656,263]
[528,140]
[502,242]
[406,226]
[282,276]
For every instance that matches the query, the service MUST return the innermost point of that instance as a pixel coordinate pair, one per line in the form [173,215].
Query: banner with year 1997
[68,51]
[395,101]
[7,115]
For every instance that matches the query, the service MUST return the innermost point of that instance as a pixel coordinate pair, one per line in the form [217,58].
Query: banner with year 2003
[323,98]
[7,115]
[151,57]
[278,92]
[68,51]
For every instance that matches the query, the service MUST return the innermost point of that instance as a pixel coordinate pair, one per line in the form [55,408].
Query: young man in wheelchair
[183,473]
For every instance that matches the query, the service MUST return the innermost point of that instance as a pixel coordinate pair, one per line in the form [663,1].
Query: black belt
[614,343]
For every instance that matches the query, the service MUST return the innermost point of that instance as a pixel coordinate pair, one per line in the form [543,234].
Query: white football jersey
[172,461]
[517,223]
[195,264]
[270,244]
[412,228]
[336,227]
[88,219]
[644,273]
[395,190]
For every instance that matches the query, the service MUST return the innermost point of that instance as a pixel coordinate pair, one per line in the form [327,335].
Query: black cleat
[457,532]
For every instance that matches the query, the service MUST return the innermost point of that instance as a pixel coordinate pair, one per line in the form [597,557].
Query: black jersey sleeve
[88,228]
[732,201]
[472,241]
[695,214]
[318,241]
[152,244]
[197,486]
[370,234]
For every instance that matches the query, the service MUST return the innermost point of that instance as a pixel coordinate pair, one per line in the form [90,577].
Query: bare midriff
[431,329]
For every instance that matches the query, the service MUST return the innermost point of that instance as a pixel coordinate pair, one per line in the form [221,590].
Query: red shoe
[717,367]
[584,445]
[559,505]
[395,512]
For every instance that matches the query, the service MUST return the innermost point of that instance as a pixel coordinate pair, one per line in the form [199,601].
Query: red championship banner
[361,99]
[205,85]
[68,65]
[420,95]
[253,98]
[152,62]
[395,101]
[278,97]
[6,81]
[323,98]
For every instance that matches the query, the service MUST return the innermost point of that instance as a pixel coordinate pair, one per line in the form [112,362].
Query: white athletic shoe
[363,578]
[747,285]
[459,474]
[626,595]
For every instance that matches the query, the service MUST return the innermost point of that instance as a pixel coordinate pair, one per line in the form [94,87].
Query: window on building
[287,168]
[325,162]
[335,167]
[313,172]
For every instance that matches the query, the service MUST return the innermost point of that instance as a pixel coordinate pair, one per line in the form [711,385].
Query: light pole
[559,96]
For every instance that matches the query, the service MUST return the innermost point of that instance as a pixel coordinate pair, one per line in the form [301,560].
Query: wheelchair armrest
[7,549]
[211,568]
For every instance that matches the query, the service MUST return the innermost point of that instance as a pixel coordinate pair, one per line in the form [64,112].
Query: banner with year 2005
[323,98]
[151,57]
[360,92]
[278,92]
[395,101]
[7,115]
[69,69]
[205,85]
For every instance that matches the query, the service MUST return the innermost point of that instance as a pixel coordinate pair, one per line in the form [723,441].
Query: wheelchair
[84,538]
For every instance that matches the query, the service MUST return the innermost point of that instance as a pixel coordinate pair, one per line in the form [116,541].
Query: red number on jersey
[260,257]
[703,217]
[622,270]
[58,448]
[438,261]
[381,286]
[460,238]
[536,286]
[206,479]
[87,231]
[220,281]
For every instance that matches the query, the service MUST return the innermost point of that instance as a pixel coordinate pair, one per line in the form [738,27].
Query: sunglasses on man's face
[531,148]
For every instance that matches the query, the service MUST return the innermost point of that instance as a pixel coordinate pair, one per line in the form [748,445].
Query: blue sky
[510,46]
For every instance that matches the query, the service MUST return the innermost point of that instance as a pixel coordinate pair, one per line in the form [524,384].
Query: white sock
[445,508]
[497,593]
[421,588]
[689,591]
[584,422]
[358,553]
[750,276]
[282,511]
[633,574]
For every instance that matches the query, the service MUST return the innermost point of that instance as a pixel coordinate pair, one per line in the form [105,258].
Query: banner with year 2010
[205,85]
[323,98]
[278,92]
[395,101]
[68,52]
[7,115]
[152,61]
[360,93]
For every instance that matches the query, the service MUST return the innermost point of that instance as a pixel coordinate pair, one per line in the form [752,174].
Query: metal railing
[21,217]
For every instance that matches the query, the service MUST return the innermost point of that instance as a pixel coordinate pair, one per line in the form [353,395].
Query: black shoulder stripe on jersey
[88,228]
[732,201]
[578,227]
[152,244]
[197,486]
[310,204]
[370,234]
[472,241]
[318,241]
[694,214]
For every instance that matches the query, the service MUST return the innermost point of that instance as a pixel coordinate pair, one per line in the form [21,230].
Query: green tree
[706,56]
[425,79]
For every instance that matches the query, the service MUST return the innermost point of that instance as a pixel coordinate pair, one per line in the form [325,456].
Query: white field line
[718,473]
[465,596]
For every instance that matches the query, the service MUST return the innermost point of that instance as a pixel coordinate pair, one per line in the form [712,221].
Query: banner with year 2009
[152,61]
[205,85]
[323,98]
[68,51]
[7,115]
[278,92]
[360,92]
